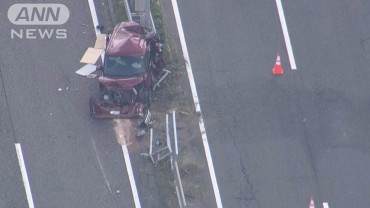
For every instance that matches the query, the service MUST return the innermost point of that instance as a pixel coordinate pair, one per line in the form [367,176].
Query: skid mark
[101,167]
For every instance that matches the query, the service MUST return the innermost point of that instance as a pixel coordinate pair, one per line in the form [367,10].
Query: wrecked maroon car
[133,67]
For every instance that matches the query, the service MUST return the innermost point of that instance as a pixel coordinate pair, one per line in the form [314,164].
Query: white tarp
[86,70]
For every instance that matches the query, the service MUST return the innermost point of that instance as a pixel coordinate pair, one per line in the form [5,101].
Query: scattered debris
[158,142]
[166,72]
[100,27]
[184,113]
[91,76]
[59,89]
[145,123]
[86,70]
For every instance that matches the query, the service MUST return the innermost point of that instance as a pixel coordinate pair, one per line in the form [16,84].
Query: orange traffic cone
[312,203]
[278,69]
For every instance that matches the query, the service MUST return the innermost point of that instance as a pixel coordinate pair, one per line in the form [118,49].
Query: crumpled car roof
[127,39]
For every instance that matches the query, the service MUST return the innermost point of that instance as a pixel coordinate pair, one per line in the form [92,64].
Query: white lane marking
[124,147]
[131,176]
[325,205]
[196,103]
[286,34]
[26,182]
[95,22]
[94,16]
[123,134]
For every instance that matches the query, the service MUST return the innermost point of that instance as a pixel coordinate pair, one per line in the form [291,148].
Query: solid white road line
[286,34]
[131,176]
[94,16]
[196,103]
[95,22]
[26,183]
[124,147]
[325,205]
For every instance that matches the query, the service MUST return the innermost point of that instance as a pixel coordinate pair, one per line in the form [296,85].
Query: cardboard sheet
[91,55]
[100,42]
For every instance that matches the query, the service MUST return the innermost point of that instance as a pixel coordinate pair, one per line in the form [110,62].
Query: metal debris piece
[161,79]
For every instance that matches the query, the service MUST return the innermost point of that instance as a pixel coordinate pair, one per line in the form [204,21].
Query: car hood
[125,83]
[127,40]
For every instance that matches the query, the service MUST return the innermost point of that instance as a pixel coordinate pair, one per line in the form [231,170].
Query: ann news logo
[39,21]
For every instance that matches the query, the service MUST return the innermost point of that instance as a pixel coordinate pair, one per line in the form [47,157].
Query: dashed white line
[196,103]
[26,182]
[325,205]
[130,173]
[286,34]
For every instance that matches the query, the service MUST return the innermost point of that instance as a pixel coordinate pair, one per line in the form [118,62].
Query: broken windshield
[124,65]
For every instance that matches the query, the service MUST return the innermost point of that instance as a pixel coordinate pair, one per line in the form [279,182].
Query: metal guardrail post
[152,21]
[168,140]
[147,14]
[175,132]
[162,153]
[176,172]
[151,145]
[151,17]
[179,189]
[127,7]
[166,151]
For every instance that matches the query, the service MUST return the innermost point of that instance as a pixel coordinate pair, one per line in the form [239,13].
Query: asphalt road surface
[71,159]
[277,141]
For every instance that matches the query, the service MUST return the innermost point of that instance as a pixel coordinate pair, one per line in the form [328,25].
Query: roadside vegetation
[172,92]
[119,11]
[172,97]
